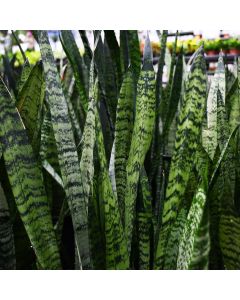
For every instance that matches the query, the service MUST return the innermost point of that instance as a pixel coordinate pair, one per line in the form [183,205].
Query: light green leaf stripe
[67,153]
[234,99]
[210,133]
[174,240]
[123,135]
[142,136]
[187,139]
[222,125]
[200,257]
[186,245]
[116,247]
[223,155]
[27,183]
[88,139]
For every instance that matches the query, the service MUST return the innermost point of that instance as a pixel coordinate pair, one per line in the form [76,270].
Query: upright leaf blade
[142,136]
[187,139]
[123,134]
[67,153]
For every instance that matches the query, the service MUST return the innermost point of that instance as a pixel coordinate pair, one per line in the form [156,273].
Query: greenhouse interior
[119,150]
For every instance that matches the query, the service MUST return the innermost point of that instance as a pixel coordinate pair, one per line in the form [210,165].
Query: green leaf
[26,69]
[67,152]
[160,69]
[144,222]
[142,136]
[77,64]
[115,53]
[134,52]
[229,231]
[88,141]
[29,104]
[88,52]
[110,83]
[210,133]
[187,139]
[7,247]
[155,148]
[177,230]
[123,134]
[200,256]
[124,52]
[194,217]
[27,184]
[117,256]
[175,94]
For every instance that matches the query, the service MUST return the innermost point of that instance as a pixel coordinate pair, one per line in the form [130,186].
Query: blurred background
[214,41]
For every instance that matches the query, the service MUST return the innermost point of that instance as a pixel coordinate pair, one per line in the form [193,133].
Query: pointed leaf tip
[147,55]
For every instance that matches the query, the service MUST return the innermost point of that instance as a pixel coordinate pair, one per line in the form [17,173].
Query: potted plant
[224,46]
[234,46]
[210,47]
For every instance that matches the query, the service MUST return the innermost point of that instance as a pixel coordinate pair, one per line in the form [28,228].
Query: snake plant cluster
[106,164]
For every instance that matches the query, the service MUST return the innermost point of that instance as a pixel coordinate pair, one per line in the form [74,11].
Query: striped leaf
[7,247]
[110,83]
[142,136]
[134,52]
[26,69]
[117,256]
[123,134]
[115,53]
[210,133]
[229,231]
[174,240]
[77,64]
[193,220]
[67,153]
[144,221]
[87,48]
[29,104]
[158,94]
[176,89]
[27,183]
[200,257]
[88,140]
[187,139]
